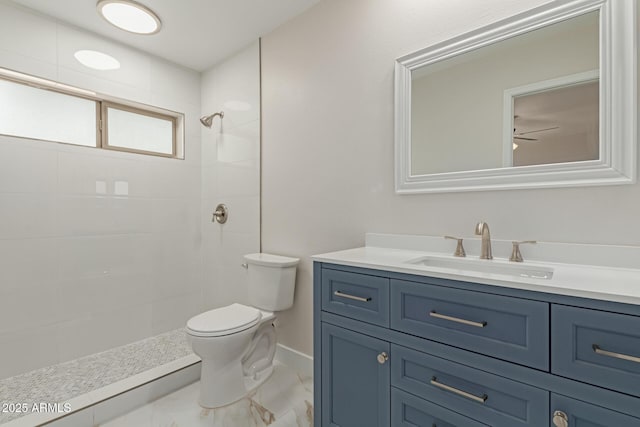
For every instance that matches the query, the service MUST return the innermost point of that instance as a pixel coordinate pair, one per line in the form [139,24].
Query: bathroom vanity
[401,342]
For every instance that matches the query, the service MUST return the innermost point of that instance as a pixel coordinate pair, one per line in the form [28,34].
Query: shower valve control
[221,214]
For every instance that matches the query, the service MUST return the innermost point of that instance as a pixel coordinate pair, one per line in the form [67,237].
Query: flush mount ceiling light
[97,60]
[129,16]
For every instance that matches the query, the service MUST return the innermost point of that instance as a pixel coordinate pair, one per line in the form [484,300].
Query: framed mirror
[546,98]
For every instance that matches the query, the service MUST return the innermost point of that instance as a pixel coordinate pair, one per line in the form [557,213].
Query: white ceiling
[195,33]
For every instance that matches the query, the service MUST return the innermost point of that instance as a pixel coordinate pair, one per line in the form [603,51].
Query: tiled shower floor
[62,382]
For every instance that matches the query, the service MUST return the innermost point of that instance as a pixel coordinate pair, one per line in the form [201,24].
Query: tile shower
[105,255]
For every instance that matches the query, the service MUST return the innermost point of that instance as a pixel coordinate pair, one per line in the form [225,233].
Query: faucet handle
[459,248]
[516,256]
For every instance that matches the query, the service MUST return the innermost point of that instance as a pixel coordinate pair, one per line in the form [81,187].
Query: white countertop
[588,281]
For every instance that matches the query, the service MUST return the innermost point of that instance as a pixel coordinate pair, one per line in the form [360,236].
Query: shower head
[208,120]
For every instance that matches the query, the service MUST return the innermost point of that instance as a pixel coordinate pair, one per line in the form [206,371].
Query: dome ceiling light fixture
[130,16]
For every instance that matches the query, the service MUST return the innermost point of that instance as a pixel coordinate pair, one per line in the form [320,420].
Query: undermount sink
[485,266]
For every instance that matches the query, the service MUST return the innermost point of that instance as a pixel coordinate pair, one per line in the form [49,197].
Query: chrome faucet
[482,229]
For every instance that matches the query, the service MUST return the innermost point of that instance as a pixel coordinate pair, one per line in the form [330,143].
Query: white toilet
[237,343]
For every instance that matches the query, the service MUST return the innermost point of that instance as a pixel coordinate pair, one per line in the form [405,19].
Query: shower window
[132,129]
[30,112]
[35,108]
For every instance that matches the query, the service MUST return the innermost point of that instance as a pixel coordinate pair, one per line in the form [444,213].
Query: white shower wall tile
[27,349]
[172,178]
[27,216]
[209,150]
[171,83]
[17,35]
[133,170]
[239,145]
[246,214]
[79,172]
[39,311]
[98,215]
[210,181]
[27,264]
[92,296]
[170,281]
[25,169]
[102,255]
[238,180]
[171,249]
[172,313]
[175,215]
[27,65]
[98,332]
[232,283]
[236,247]
[236,85]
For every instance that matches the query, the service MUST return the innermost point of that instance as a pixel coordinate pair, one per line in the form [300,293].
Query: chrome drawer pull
[353,297]
[480,399]
[602,352]
[458,320]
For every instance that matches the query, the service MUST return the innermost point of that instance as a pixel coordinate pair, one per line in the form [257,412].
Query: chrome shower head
[208,120]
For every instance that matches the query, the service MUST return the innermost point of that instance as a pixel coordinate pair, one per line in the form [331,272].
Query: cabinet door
[582,414]
[355,385]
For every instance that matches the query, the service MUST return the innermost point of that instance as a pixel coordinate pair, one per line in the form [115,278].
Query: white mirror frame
[618,104]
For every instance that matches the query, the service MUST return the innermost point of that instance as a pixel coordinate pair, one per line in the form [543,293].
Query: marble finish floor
[64,381]
[284,400]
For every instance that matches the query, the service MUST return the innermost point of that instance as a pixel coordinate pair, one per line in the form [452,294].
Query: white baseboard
[300,362]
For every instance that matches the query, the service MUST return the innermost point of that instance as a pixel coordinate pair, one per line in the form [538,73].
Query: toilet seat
[222,321]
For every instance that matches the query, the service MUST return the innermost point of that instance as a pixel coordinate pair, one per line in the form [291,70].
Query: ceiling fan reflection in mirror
[519,135]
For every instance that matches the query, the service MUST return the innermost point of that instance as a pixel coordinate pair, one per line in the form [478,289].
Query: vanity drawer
[582,414]
[359,296]
[596,347]
[485,397]
[504,327]
[410,411]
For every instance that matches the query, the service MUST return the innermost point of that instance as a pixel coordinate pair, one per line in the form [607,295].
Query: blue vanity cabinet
[355,379]
[404,350]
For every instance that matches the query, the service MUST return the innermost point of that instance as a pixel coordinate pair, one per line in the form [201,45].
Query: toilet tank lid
[271,260]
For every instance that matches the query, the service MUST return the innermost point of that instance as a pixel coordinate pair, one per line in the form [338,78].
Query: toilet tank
[272,279]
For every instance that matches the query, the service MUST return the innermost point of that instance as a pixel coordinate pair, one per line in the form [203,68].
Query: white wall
[327,169]
[81,272]
[231,175]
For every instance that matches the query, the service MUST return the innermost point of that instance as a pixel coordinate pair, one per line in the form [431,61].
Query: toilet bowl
[237,343]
